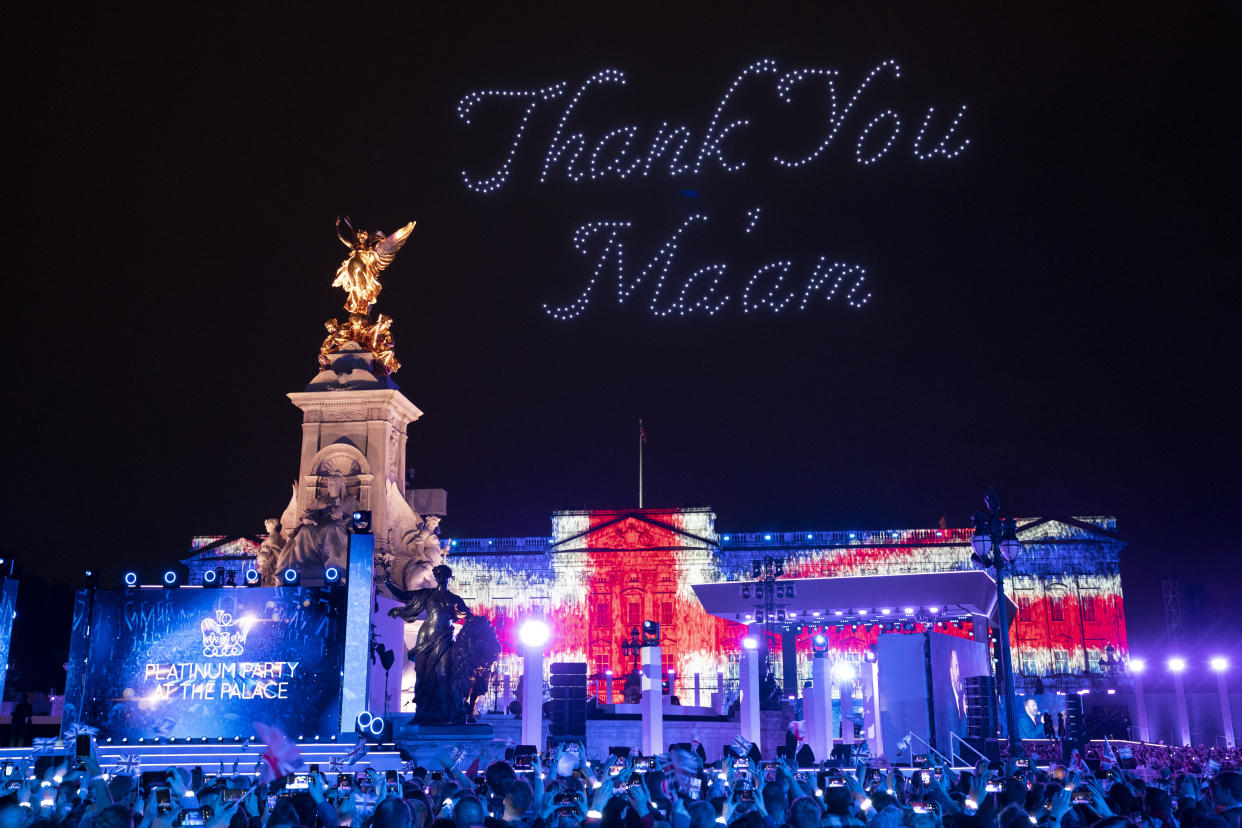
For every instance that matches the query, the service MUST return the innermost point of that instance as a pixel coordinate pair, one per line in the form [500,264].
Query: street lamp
[1136,666]
[1177,666]
[995,544]
[534,634]
[1220,665]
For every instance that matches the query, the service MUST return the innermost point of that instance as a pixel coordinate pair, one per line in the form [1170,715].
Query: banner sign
[192,663]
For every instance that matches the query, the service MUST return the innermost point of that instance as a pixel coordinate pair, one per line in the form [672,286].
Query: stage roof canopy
[858,599]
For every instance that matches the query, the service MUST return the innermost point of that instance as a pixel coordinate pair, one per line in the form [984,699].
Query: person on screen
[1050,729]
[957,715]
[1030,723]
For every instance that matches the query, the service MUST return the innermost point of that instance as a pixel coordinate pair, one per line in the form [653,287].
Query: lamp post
[1220,665]
[995,543]
[534,634]
[1177,666]
[1136,667]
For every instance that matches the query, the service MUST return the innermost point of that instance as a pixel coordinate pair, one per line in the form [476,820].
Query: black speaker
[981,718]
[1075,729]
[567,687]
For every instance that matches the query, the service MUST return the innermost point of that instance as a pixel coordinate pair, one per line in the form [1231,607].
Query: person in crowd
[23,713]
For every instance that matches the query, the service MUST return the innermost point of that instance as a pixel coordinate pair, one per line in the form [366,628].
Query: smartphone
[191,816]
[345,782]
[562,798]
[918,759]
[82,745]
[271,803]
[695,787]
[923,807]
[524,758]
[314,768]
[836,781]
[926,776]
[643,764]
[390,776]
[437,776]
[299,782]
[163,797]
[994,786]
[746,794]
[231,795]
[741,762]
[938,772]
[1082,796]
[1023,763]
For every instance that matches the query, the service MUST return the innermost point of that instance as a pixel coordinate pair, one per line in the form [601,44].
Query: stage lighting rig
[252,577]
[360,522]
[212,578]
[651,633]
[131,580]
[171,579]
[332,576]
[819,645]
[290,577]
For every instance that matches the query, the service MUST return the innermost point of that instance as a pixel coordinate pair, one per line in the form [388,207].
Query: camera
[924,807]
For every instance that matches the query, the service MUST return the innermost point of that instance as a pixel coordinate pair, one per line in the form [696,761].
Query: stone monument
[354,421]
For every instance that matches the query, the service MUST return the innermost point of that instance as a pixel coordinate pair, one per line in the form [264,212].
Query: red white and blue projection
[603,572]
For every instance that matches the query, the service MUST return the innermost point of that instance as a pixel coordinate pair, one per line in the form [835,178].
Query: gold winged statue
[369,253]
[358,275]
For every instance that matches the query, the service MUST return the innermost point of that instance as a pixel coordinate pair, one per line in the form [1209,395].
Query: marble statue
[413,541]
[269,551]
[320,536]
[450,673]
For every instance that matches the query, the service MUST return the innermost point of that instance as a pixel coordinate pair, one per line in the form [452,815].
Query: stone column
[532,697]
[751,723]
[819,736]
[873,730]
[651,706]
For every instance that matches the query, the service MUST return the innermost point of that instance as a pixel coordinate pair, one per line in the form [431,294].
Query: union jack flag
[129,764]
[359,751]
[44,746]
[78,729]
[281,757]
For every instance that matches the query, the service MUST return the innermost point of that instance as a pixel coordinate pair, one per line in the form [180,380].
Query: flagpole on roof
[642,438]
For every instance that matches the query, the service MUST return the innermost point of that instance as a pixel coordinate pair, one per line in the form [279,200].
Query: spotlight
[170,579]
[843,671]
[908,610]
[332,575]
[290,577]
[370,726]
[1219,663]
[933,610]
[871,656]
[361,522]
[750,643]
[251,577]
[819,645]
[651,633]
[1137,665]
[1177,664]
[131,579]
[211,578]
[886,611]
[534,632]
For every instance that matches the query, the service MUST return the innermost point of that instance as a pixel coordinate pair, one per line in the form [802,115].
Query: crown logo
[223,637]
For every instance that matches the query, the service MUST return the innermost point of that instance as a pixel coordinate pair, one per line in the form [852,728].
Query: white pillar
[818,711]
[651,706]
[750,696]
[1140,703]
[608,681]
[872,727]
[532,697]
[696,690]
[1183,718]
[1226,715]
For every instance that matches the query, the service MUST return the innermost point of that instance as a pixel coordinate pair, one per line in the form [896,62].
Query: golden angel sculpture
[369,254]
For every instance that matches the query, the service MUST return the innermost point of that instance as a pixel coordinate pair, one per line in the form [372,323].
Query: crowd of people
[561,789]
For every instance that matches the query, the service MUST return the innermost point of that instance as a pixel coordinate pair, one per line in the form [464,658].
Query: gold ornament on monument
[358,275]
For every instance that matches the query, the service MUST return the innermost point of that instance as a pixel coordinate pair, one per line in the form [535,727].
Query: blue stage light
[290,577]
[252,577]
[211,578]
[131,579]
[332,575]
[170,579]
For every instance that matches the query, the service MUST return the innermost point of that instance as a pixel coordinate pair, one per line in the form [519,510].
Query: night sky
[1050,310]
